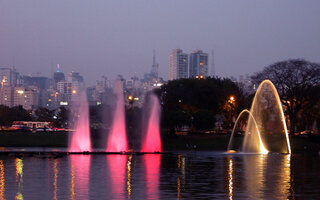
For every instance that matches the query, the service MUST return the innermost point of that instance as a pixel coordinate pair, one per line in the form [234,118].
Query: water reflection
[129,164]
[2,180]
[80,174]
[181,166]
[72,197]
[19,178]
[230,178]
[268,173]
[117,165]
[167,176]
[254,168]
[55,179]
[281,183]
[152,163]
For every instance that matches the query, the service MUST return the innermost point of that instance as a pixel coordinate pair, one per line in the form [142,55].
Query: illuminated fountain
[266,129]
[257,137]
[117,139]
[152,141]
[80,138]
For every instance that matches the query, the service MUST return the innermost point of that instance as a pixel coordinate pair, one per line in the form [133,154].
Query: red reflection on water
[80,140]
[152,141]
[152,162]
[117,168]
[117,140]
[80,175]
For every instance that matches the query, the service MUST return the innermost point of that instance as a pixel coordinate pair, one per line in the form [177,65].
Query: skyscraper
[57,77]
[198,64]
[178,65]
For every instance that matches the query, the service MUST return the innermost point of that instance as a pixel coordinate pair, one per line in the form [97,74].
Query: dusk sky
[117,37]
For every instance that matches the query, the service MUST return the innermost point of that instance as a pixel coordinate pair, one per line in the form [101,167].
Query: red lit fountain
[152,141]
[117,139]
[80,141]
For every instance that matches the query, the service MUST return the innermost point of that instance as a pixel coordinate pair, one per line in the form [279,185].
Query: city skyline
[118,37]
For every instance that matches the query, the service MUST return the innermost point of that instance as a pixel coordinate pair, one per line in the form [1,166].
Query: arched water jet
[263,150]
[267,112]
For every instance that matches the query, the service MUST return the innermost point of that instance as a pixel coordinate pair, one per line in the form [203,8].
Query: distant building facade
[6,96]
[198,66]
[178,65]
[9,76]
[69,90]
[28,98]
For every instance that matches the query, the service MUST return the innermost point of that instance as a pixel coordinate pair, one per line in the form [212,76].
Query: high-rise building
[28,98]
[42,83]
[198,64]
[8,76]
[6,96]
[103,83]
[178,65]
[57,77]
[69,90]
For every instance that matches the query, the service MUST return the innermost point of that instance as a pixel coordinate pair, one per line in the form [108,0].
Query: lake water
[189,175]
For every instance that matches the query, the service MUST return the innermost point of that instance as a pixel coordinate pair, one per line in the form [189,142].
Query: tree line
[202,104]
[8,115]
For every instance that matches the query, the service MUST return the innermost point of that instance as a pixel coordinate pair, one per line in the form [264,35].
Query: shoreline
[194,142]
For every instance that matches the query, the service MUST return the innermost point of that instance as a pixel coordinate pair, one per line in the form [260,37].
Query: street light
[232,99]
[230,106]
[130,99]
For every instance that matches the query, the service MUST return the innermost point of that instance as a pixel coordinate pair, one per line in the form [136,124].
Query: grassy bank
[198,142]
[299,144]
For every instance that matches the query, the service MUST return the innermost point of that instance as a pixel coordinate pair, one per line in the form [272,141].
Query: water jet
[80,138]
[117,139]
[152,140]
[266,129]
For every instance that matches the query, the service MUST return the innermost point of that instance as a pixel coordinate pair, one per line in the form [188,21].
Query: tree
[44,115]
[61,118]
[4,116]
[172,119]
[203,120]
[295,81]
[183,99]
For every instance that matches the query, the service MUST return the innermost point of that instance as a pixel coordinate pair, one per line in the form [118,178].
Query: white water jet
[266,129]
[260,144]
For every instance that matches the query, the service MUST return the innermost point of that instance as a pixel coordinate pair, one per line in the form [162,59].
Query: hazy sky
[117,37]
